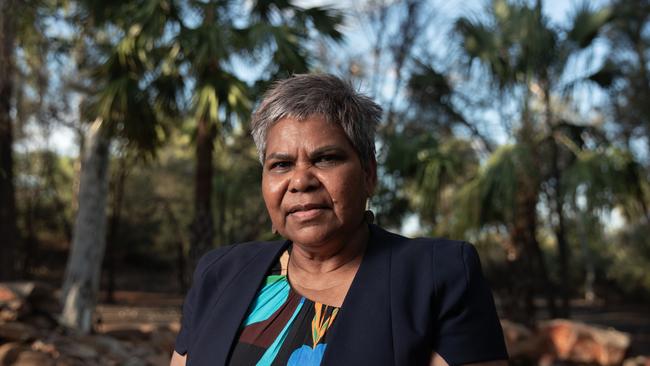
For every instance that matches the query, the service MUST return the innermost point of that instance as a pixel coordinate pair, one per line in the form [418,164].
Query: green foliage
[43,194]
[630,258]
[151,69]
[514,44]
[239,206]
[134,77]
[429,171]
[587,23]
[606,179]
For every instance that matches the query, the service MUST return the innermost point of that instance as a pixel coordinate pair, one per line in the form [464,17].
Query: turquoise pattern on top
[271,352]
[268,301]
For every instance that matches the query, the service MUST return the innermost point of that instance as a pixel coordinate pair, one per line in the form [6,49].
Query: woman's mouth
[307,211]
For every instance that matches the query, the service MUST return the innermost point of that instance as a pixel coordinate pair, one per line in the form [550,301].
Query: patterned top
[283,327]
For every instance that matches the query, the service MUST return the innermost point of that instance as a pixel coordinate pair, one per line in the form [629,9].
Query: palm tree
[273,31]
[133,86]
[504,45]
[141,54]
[526,57]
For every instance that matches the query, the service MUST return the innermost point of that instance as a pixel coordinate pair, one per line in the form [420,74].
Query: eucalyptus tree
[273,35]
[131,95]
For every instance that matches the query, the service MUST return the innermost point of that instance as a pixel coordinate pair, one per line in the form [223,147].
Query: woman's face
[313,184]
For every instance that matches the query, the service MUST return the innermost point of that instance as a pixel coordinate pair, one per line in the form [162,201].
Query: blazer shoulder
[449,260]
[210,259]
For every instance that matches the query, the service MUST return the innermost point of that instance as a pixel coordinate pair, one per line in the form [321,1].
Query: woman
[339,290]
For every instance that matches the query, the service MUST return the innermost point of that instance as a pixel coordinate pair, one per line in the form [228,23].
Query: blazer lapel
[217,335]
[362,333]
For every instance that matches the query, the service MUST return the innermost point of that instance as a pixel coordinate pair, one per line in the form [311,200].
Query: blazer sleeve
[182,339]
[468,328]
[191,302]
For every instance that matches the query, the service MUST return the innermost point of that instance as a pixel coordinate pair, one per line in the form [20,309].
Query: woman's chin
[320,234]
[311,235]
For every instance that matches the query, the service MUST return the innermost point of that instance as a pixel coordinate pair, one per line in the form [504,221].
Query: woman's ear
[370,178]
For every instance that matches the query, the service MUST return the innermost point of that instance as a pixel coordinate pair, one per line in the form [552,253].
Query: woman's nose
[303,180]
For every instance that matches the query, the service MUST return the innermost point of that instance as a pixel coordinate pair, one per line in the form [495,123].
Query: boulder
[33,358]
[521,341]
[12,304]
[578,342]
[9,352]
[22,298]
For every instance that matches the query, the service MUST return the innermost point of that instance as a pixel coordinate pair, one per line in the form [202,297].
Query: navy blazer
[408,298]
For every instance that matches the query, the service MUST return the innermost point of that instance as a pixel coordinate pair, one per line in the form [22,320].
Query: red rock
[22,298]
[521,341]
[9,352]
[33,358]
[579,342]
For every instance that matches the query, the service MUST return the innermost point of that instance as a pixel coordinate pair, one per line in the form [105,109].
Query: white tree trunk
[83,271]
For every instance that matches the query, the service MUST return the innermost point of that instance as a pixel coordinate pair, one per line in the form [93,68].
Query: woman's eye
[327,160]
[279,165]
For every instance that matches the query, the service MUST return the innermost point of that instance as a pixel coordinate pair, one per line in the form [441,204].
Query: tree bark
[180,247]
[83,271]
[114,228]
[530,272]
[8,227]
[558,207]
[560,232]
[532,267]
[202,229]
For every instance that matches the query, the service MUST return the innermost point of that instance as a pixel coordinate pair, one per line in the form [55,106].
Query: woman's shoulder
[446,260]
[431,248]
[233,253]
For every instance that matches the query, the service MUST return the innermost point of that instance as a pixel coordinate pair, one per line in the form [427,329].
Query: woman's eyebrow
[327,149]
[279,156]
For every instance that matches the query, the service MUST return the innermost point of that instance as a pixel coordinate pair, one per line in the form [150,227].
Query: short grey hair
[305,95]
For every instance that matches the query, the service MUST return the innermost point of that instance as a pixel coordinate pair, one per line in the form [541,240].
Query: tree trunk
[83,271]
[113,228]
[30,241]
[590,269]
[557,200]
[560,232]
[8,227]
[532,267]
[180,248]
[202,229]
[530,272]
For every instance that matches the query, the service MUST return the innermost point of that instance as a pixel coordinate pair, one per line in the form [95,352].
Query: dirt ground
[134,309]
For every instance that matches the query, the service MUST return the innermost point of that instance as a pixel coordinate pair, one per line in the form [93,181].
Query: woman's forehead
[310,133]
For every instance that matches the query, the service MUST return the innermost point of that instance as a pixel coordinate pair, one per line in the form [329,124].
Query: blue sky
[63,139]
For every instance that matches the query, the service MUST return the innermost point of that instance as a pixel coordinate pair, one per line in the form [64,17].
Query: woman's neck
[334,256]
